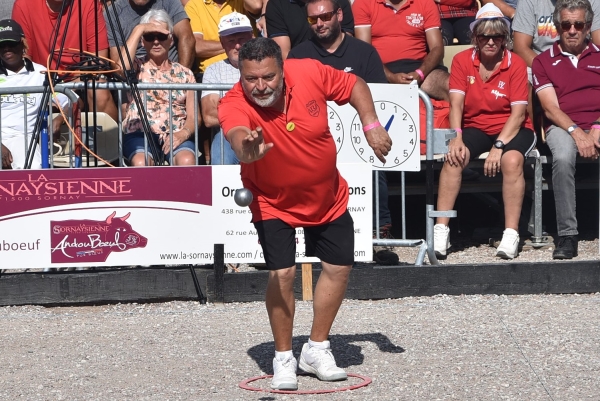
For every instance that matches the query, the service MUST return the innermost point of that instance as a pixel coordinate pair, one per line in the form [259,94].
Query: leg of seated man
[564,153]
[436,85]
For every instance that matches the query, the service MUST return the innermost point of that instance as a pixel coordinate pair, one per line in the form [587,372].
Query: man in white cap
[234,30]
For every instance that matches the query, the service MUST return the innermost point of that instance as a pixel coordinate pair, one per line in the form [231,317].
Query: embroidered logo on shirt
[501,84]
[498,94]
[348,69]
[313,108]
[471,79]
[595,67]
[556,62]
[415,19]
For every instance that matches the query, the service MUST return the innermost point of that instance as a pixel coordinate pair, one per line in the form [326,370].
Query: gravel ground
[535,347]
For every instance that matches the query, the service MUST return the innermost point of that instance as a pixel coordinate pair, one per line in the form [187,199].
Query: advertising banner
[140,216]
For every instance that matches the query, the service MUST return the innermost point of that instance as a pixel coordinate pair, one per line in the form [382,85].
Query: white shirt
[12,106]
[221,72]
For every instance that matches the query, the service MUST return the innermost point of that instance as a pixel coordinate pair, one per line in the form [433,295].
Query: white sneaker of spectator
[284,372]
[509,246]
[441,239]
[318,360]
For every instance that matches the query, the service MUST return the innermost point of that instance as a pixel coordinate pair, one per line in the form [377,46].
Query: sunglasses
[313,19]
[10,44]
[495,38]
[566,25]
[151,37]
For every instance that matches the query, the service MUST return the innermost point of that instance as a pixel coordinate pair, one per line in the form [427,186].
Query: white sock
[318,345]
[282,356]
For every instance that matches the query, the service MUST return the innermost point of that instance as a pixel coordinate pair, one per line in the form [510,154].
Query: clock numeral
[371,159]
[331,115]
[397,161]
[356,139]
[412,141]
[404,115]
[405,153]
[356,126]
[338,126]
[361,150]
[395,109]
[339,140]
[411,128]
[382,106]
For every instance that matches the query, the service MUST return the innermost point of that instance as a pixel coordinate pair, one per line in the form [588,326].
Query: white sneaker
[321,363]
[284,374]
[441,239]
[509,246]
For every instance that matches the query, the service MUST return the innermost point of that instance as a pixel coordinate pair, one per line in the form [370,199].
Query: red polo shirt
[297,181]
[576,82]
[397,34]
[487,105]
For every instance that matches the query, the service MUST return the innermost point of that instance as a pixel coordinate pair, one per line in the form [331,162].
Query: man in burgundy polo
[566,78]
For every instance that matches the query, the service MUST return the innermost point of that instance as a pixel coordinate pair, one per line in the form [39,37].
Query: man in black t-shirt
[332,47]
[288,26]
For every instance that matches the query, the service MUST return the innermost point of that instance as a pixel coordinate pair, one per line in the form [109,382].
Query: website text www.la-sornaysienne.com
[228,255]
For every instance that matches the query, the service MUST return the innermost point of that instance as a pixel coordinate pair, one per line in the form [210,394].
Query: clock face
[399,125]
[335,127]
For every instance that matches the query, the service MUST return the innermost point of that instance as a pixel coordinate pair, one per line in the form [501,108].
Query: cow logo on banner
[74,241]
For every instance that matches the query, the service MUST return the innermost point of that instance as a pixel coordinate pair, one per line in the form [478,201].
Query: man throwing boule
[276,121]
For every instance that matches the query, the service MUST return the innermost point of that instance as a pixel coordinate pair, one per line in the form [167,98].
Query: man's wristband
[420,74]
[596,125]
[458,130]
[371,126]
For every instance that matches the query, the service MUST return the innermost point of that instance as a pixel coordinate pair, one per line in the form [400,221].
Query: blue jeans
[384,210]
[564,153]
[229,156]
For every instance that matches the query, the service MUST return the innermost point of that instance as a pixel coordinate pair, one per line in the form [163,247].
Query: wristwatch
[499,144]
[572,128]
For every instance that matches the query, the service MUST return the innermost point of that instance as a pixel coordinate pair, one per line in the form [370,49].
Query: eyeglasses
[566,25]
[151,37]
[313,19]
[10,44]
[495,38]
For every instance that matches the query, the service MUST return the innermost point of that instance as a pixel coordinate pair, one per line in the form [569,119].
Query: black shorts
[332,242]
[408,65]
[479,142]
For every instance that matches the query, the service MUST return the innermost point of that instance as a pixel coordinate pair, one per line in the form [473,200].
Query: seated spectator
[456,17]
[16,71]
[566,79]
[155,30]
[205,17]
[130,12]
[506,6]
[534,30]
[488,101]
[287,24]
[234,30]
[39,18]
[408,38]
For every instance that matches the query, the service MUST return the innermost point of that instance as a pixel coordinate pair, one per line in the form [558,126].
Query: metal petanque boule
[243,197]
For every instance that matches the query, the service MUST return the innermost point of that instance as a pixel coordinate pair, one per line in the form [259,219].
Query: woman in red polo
[488,110]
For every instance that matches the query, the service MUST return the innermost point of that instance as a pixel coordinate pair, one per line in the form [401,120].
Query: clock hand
[389,123]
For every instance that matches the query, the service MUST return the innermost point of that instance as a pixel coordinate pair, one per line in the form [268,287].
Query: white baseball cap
[234,23]
[489,11]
